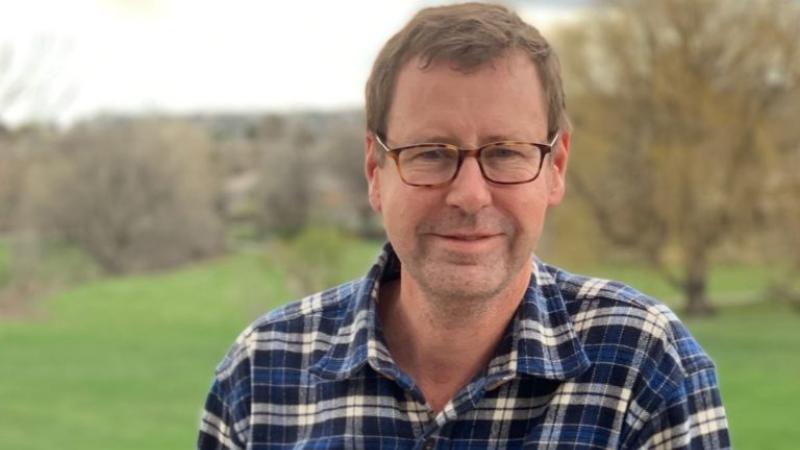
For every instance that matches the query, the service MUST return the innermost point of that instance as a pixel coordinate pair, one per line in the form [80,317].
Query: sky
[187,56]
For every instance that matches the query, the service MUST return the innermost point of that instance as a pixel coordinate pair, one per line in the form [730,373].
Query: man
[459,337]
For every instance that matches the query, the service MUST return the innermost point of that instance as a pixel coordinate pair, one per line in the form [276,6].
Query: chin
[465,283]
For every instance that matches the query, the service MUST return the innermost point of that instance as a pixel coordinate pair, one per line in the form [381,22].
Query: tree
[674,103]
[134,196]
[781,238]
[343,154]
[11,170]
[20,150]
[286,185]
[27,91]
[312,175]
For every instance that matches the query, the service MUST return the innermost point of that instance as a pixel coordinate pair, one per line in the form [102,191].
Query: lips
[467,237]
[465,248]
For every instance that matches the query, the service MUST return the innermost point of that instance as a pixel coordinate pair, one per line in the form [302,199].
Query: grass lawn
[125,363]
[757,351]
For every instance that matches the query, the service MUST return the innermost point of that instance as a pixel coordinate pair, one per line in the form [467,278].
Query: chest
[378,414]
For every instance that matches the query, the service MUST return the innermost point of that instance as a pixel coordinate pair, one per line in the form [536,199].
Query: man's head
[466,36]
[466,80]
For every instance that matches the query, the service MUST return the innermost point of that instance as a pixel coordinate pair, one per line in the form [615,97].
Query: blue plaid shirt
[585,364]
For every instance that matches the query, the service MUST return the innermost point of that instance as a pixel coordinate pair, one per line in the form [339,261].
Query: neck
[442,343]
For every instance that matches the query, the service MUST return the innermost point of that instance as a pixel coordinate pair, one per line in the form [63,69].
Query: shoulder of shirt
[329,301]
[290,319]
[593,302]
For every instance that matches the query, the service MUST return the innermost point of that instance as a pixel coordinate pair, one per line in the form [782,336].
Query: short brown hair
[469,35]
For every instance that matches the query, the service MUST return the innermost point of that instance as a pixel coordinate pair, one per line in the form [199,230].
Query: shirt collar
[540,342]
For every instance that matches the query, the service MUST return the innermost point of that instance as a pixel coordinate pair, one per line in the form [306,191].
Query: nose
[469,190]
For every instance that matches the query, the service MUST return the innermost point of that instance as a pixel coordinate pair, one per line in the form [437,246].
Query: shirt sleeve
[217,423]
[692,418]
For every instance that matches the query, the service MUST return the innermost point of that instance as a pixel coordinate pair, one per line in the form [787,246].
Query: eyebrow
[500,137]
[443,139]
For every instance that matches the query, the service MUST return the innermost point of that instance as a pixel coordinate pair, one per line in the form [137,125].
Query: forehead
[502,98]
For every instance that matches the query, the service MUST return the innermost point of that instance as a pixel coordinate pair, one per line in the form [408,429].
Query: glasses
[434,164]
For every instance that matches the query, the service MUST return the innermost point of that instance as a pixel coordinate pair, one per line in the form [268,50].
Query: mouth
[468,248]
[467,241]
[466,237]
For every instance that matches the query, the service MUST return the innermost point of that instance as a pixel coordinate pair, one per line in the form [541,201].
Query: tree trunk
[695,286]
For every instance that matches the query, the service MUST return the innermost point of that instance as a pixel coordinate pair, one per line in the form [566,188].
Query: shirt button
[429,444]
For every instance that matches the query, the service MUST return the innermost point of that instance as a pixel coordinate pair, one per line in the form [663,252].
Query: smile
[467,242]
[471,237]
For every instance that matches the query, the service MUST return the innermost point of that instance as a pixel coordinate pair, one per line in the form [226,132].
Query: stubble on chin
[461,279]
[457,281]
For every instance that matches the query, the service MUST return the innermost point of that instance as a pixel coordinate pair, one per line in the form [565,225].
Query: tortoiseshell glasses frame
[433,164]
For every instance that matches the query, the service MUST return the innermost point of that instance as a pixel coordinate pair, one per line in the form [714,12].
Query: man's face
[470,238]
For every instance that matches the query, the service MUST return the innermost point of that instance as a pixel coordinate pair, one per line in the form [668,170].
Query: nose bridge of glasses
[463,153]
[476,152]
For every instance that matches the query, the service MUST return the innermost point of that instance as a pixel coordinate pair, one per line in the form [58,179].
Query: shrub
[133,196]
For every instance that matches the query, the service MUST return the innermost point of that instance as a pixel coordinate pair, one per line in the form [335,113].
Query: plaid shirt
[585,364]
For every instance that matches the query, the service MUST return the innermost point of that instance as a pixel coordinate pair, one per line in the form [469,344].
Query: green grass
[757,351]
[122,364]
[44,266]
[126,363]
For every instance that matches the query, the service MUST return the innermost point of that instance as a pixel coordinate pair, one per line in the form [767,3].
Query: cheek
[397,207]
[403,209]
[527,210]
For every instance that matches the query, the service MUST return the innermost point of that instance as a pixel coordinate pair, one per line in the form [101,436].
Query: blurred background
[172,169]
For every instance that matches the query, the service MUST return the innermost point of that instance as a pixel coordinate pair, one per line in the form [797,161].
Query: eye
[503,153]
[428,154]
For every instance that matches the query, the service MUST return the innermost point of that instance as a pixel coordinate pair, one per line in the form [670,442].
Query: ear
[372,172]
[558,169]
